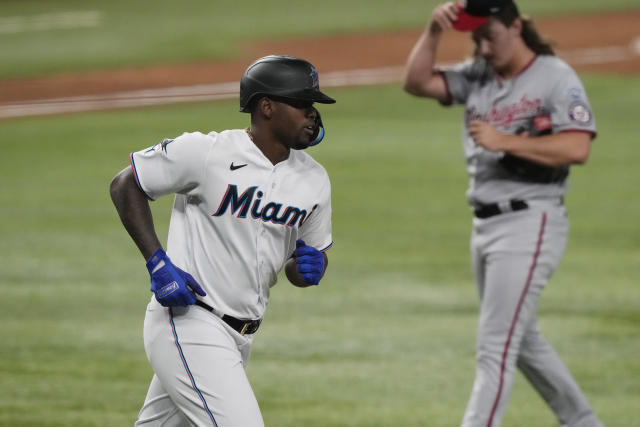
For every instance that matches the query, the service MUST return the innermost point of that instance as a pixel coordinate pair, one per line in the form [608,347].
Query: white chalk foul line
[178,94]
[138,98]
[635,45]
[229,90]
[598,55]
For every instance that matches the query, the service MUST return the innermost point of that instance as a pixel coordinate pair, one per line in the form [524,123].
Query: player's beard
[296,134]
[300,145]
[304,141]
[294,141]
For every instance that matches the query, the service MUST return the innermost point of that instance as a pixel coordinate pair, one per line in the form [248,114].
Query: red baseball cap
[472,14]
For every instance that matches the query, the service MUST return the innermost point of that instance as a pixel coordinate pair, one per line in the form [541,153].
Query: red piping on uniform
[449,99]
[590,132]
[135,176]
[515,317]
[525,68]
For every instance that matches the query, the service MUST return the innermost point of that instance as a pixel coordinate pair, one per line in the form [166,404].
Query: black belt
[492,209]
[241,326]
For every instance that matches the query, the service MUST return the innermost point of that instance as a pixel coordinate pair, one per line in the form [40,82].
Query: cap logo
[314,78]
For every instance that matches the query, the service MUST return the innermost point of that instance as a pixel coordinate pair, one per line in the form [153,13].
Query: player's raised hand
[309,262]
[443,16]
[171,285]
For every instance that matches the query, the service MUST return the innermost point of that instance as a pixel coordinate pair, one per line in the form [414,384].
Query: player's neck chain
[249,134]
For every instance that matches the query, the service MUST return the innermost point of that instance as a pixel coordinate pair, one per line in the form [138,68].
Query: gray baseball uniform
[519,231]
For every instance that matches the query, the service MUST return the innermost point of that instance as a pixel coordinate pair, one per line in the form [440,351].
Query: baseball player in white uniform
[527,119]
[247,202]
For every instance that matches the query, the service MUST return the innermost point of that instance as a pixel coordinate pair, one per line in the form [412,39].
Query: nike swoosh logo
[234,167]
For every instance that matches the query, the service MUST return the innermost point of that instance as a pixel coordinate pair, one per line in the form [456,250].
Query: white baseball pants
[199,371]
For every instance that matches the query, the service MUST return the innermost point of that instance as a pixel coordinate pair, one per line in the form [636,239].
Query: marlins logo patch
[580,113]
[161,146]
[314,78]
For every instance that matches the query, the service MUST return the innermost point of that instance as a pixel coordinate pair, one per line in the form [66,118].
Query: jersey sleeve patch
[160,146]
[580,113]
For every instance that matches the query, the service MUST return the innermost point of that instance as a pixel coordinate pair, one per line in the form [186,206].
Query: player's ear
[516,26]
[265,107]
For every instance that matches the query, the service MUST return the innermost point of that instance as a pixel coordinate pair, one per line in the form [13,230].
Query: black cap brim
[307,95]
[322,98]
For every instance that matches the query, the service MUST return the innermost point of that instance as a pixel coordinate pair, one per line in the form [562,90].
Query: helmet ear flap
[319,133]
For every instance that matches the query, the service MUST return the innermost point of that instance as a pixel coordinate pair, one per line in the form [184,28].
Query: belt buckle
[506,206]
[245,327]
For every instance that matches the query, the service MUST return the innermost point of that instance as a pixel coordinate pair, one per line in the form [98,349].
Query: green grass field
[388,337]
[144,32]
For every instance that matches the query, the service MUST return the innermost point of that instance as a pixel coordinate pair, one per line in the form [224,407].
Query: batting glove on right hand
[309,262]
[171,285]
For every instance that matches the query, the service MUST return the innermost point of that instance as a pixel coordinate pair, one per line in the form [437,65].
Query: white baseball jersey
[546,86]
[236,216]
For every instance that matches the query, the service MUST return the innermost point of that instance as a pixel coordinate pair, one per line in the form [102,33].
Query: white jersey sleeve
[173,165]
[316,229]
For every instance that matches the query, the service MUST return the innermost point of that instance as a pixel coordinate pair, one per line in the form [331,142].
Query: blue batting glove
[309,262]
[171,285]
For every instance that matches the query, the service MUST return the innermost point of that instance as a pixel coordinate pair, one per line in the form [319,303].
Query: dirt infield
[603,43]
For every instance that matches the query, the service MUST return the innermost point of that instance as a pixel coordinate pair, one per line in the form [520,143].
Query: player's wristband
[156,260]
[171,285]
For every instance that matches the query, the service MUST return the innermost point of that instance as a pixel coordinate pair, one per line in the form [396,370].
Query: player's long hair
[529,33]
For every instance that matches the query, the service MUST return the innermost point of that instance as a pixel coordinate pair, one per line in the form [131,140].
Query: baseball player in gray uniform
[527,119]
[248,202]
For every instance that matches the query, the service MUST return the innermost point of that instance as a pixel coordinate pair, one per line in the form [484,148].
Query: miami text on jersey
[269,213]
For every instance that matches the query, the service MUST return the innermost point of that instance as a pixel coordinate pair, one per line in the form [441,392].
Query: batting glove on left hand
[171,285]
[309,262]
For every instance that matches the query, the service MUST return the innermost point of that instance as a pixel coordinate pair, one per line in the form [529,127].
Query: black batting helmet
[282,76]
